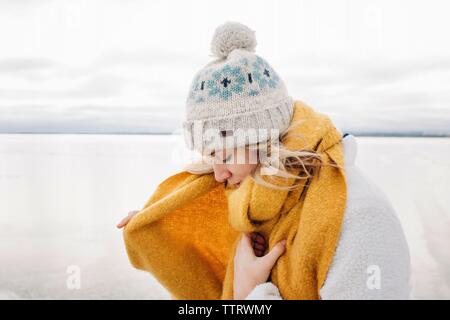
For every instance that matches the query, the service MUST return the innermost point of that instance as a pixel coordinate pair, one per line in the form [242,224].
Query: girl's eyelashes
[228,159]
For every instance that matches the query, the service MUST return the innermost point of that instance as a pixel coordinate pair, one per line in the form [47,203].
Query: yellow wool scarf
[187,232]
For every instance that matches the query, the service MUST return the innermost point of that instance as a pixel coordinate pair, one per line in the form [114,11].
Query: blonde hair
[290,164]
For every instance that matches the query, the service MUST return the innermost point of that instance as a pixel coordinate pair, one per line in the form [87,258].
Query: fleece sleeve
[264,291]
[372,258]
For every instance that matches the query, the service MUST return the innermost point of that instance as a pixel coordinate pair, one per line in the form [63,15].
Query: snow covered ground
[61,196]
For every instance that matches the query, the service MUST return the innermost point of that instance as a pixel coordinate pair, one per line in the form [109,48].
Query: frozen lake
[62,195]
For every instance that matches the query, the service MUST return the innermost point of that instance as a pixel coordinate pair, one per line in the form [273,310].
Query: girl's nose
[221,174]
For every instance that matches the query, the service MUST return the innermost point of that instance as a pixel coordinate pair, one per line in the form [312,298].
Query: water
[62,195]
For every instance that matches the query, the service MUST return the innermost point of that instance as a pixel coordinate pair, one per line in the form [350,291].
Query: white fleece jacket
[372,258]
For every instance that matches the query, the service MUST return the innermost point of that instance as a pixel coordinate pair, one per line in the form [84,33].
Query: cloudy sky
[126,66]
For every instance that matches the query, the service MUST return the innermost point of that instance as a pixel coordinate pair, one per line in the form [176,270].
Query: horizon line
[356,134]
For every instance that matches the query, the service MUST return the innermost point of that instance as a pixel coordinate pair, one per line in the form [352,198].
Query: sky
[126,66]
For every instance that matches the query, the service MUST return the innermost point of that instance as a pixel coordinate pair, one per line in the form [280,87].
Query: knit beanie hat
[236,99]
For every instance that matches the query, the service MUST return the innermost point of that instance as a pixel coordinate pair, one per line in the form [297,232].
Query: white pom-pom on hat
[230,36]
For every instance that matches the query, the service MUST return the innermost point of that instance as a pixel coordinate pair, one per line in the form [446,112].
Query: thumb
[272,257]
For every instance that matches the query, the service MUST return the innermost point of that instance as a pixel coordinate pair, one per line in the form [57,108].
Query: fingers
[258,253]
[123,222]
[256,237]
[127,219]
[132,213]
[258,244]
[274,254]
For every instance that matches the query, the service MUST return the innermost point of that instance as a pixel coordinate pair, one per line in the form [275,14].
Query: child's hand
[125,220]
[249,270]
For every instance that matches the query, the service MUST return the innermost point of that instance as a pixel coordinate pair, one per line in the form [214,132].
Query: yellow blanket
[187,232]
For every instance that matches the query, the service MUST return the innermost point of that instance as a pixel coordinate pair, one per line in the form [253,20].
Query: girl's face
[234,164]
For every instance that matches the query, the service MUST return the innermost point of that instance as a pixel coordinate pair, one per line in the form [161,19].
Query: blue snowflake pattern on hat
[198,86]
[251,77]
[264,74]
[226,82]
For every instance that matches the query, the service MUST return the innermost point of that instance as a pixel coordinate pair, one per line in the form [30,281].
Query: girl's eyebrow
[224,156]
